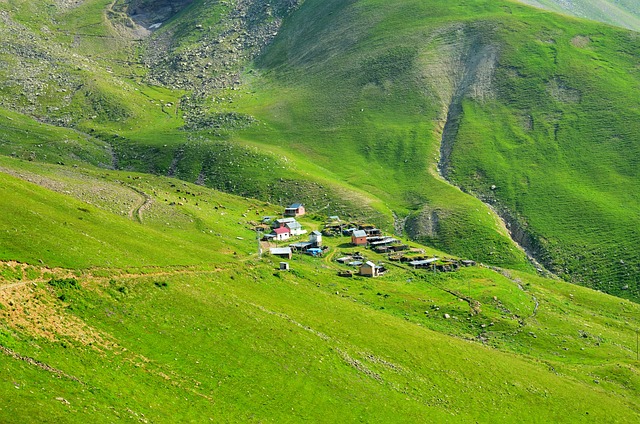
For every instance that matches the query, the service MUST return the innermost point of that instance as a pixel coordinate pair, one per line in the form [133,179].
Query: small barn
[316,238]
[281,233]
[373,231]
[369,269]
[425,263]
[282,252]
[301,246]
[359,238]
[295,209]
[382,241]
[348,231]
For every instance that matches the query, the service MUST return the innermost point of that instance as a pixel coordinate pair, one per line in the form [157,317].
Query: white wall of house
[283,236]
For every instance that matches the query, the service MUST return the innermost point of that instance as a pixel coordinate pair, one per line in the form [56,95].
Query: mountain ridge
[623,13]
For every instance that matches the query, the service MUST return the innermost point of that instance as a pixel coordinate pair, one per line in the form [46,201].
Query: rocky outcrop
[463,68]
[207,50]
[153,13]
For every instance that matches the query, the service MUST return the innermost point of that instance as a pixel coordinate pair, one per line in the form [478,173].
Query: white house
[295,228]
[282,233]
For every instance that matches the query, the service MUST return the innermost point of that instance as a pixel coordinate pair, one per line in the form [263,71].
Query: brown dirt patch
[31,308]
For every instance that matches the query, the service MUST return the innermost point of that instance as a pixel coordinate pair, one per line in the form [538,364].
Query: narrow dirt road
[137,210]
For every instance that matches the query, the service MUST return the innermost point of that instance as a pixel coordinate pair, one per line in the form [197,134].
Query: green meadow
[110,328]
[136,165]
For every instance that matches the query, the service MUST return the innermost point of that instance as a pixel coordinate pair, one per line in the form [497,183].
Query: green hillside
[623,13]
[108,328]
[543,112]
[143,141]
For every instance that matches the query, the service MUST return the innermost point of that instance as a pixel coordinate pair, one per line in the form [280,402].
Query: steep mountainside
[145,144]
[531,113]
[527,111]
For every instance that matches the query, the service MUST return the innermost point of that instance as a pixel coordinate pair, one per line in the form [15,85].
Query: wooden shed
[282,252]
[369,269]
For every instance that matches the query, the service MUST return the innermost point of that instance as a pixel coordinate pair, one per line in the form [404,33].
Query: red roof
[281,230]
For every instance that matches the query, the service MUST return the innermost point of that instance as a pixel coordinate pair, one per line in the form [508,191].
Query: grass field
[133,171]
[213,331]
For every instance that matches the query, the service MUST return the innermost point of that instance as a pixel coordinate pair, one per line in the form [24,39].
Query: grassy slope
[150,339]
[25,138]
[377,126]
[241,343]
[374,138]
[41,225]
[143,131]
[564,153]
[383,118]
[559,90]
[625,13]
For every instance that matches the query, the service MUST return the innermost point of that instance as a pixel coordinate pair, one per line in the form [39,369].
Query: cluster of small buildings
[287,227]
[365,268]
[284,228]
[367,236]
[376,241]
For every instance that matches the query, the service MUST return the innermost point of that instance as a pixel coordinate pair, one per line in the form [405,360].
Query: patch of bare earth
[68,4]
[580,41]
[33,308]
[459,64]
[562,92]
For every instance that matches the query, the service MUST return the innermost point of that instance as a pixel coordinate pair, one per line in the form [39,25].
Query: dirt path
[23,270]
[87,275]
[137,210]
[21,283]
[38,364]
